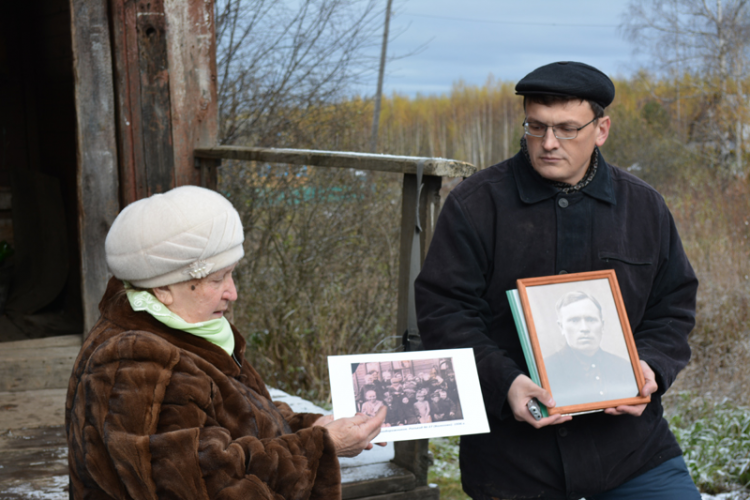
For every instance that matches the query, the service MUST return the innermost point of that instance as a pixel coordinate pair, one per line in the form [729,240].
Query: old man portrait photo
[582,342]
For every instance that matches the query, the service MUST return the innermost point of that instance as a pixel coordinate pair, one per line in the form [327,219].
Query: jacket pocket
[609,256]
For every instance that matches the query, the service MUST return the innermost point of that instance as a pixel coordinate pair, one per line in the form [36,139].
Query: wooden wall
[165,81]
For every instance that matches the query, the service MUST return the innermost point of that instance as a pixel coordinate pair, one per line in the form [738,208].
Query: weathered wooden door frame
[98,183]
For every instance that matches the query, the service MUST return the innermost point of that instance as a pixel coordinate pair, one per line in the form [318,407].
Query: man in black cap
[557,207]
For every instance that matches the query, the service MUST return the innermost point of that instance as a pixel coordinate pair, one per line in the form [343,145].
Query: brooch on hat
[199,269]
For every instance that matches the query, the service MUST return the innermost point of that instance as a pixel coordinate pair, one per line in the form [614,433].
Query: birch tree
[709,39]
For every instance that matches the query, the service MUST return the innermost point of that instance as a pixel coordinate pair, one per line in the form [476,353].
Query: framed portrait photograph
[426,393]
[581,340]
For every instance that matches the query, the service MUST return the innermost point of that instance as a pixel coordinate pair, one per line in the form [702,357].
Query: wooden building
[103,104]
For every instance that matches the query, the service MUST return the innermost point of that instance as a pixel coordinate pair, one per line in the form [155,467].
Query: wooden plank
[31,409]
[33,464]
[192,81]
[375,479]
[57,341]
[360,161]
[414,456]
[97,149]
[32,369]
[133,185]
[156,116]
[429,208]
[419,493]
[208,172]
[408,219]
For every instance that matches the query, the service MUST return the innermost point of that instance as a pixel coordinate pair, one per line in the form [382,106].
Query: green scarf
[216,331]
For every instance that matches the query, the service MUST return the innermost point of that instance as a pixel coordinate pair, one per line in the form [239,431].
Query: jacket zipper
[239,363]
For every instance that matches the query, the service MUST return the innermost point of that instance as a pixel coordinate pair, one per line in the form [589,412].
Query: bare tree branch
[275,62]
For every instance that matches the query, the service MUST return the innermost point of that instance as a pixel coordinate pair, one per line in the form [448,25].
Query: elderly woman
[161,402]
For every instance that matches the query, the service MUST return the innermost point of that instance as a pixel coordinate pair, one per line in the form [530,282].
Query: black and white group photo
[419,391]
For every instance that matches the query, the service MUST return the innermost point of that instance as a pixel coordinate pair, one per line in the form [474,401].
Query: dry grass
[714,221]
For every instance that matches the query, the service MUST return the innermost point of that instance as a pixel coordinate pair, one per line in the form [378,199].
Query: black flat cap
[569,78]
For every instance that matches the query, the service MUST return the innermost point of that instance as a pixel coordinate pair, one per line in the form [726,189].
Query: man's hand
[648,388]
[521,391]
[352,435]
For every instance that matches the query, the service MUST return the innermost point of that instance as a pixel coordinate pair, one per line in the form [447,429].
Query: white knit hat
[185,233]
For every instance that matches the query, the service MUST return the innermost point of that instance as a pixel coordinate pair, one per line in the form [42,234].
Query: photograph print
[583,340]
[426,393]
[418,391]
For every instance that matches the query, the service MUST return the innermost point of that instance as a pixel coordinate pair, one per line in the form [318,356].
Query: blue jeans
[669,481]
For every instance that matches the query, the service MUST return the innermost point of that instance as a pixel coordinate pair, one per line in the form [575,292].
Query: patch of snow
[54,489]
[376,455]
[296,403]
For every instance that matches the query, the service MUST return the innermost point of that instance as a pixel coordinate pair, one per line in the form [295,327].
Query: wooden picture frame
[582,361]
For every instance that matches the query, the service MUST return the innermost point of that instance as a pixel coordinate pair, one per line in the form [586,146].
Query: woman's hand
[352,435]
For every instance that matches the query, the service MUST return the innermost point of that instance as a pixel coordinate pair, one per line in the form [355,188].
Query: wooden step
[34,464]
[38,364]
[418,493]
[375,479]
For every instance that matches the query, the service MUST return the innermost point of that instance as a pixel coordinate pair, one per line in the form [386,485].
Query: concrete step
[27,365]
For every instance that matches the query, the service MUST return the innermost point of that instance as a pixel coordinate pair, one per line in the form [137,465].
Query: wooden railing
[411,455]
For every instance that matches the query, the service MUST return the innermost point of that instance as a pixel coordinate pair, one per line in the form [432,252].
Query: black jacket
[506,223]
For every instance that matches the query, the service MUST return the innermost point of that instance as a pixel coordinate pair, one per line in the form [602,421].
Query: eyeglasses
[562,132]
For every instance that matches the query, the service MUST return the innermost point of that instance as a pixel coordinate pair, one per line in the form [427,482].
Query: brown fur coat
[153,412]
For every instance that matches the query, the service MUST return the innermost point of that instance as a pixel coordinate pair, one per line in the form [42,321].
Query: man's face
[564,160]
[581,325]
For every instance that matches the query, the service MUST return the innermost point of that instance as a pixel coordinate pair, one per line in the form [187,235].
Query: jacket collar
[115,308]
[532,188]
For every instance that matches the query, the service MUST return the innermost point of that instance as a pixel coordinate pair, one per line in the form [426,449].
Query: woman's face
[200,300]
[371,396]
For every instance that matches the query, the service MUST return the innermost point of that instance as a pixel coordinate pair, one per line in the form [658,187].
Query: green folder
[523,336]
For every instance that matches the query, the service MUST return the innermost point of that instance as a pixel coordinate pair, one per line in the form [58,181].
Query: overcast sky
[471,39]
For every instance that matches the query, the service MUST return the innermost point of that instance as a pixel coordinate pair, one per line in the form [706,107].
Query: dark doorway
[38,183]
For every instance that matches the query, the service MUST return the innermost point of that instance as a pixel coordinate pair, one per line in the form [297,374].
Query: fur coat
[153,412]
